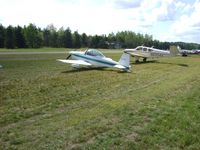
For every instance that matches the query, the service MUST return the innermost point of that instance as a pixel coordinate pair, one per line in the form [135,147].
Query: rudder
[174,50]
[125,60]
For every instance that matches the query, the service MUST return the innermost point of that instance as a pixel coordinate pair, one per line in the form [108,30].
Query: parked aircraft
[148,52]
[185,52]
[197,51]
[94,58]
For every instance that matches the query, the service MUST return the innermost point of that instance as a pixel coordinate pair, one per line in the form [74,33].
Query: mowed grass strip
[47,105]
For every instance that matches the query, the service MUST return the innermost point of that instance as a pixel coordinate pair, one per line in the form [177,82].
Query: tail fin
[125,60]
[174,50]
[178,47]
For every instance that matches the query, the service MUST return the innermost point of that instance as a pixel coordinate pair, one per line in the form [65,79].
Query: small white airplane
[94,58]
[185,52]
[149,52]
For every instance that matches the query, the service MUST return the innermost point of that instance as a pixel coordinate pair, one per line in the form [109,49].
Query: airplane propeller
[68,56]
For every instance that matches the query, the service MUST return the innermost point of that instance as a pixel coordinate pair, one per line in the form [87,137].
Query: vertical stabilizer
[125,60]
[174,50]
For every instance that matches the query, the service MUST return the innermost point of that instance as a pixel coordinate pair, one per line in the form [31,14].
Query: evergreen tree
[46,37]
[102,41]
[33,36]
[9,40]
[2,36]
[84,40]
[76,40]
[95,41]
[61,35]
[54,39]
[19,38]
[67,38]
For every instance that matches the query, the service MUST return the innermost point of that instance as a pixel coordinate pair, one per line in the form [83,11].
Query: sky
[165,20]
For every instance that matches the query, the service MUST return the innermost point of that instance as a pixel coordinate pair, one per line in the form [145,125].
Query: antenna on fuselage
[86,50]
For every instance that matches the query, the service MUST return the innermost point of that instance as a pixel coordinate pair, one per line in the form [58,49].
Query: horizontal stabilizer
[133,52]
[119,67]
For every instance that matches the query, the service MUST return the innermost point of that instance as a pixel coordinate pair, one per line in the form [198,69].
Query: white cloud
[187,27]
[127,4]
[103,16]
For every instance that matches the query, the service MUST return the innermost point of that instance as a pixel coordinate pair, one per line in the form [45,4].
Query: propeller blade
[68,56]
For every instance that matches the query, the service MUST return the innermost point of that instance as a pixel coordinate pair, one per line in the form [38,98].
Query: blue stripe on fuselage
[96,60]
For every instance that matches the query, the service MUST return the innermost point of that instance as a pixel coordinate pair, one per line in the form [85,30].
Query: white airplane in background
[149,52]
[185,52]
[94,58]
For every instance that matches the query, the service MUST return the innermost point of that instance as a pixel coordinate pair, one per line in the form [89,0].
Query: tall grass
[45,104]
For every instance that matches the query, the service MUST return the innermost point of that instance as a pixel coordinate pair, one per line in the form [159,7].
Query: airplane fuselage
[146,52]
[96,61]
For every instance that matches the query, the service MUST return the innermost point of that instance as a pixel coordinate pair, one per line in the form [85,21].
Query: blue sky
[166,20]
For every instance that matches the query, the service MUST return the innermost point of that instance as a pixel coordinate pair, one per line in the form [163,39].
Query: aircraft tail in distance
[174,50]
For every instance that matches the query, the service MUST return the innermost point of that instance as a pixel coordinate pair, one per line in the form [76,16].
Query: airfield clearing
[48,105]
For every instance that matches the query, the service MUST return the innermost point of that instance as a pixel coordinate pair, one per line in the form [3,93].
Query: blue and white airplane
[94,58]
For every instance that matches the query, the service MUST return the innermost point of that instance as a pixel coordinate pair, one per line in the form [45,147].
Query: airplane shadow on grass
[84,69]
[141,62]
[158,62]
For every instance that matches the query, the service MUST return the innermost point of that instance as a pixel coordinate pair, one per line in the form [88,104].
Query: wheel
[137,61]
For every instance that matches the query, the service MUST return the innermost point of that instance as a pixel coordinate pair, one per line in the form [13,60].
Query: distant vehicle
[185,52]
[94,58]
[145,52]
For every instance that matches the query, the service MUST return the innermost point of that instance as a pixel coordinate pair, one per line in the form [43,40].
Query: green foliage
[19,38]
[84,40]
[2,36]
[61,35]
[76,40]
[68,38]
[46,38]
[33,37]
[10,37]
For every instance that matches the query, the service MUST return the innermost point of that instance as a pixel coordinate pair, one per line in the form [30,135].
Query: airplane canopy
[94,52]
[144,49]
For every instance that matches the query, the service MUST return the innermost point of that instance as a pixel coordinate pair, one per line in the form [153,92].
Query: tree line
[32,36]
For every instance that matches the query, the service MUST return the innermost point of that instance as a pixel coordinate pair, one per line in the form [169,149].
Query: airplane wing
[138,55]
[79,62]
[135,53]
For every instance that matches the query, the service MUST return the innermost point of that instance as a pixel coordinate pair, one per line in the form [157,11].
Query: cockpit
[144,49]
[94,52]
[139,48]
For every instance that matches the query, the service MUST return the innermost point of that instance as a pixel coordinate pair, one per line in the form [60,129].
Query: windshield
[142,48]
[139,48]
[94,52]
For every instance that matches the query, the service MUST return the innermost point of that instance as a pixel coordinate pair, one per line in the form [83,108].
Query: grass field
[45,104]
